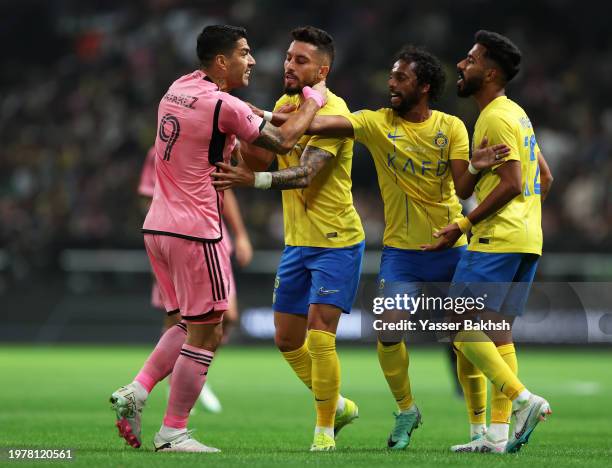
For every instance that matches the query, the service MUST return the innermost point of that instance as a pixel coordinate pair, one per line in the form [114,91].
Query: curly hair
[428,69]
[502,51]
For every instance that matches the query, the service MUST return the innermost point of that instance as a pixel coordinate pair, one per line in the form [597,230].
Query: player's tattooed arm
[270,138]
[311,162]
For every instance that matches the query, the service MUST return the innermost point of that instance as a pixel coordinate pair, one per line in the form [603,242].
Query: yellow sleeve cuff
[464,224]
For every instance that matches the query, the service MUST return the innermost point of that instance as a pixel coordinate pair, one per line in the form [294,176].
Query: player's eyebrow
[245,49]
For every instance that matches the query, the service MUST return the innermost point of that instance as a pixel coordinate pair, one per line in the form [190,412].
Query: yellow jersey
[322,215]
[413,166]
[517,227]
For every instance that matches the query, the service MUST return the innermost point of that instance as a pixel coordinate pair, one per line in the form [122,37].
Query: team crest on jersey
[440,140]
[381,286]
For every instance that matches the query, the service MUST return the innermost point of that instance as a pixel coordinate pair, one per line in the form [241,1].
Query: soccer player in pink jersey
[198,123]
[242,249]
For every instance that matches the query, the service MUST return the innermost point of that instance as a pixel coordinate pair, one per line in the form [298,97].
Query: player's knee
[205,336]
[286,343]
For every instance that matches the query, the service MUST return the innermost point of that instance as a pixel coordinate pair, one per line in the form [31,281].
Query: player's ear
[425,88]
[323,72]
[491,74]
[220,61]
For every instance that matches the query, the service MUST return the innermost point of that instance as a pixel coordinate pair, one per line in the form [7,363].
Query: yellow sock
[501,406]
[474,387]
[394,363]
[300,362]
[480,351]
[325,375]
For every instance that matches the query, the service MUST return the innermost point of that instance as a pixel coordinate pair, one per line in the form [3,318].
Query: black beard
[470,87]
[406,104]
[292,90]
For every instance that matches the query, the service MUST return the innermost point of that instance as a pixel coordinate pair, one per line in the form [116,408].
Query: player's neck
[217,79]
[486,95]
[419,113]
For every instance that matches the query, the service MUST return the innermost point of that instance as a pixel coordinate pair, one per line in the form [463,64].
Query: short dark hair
[322,40]
[428,69]
[502,51]
[218,39]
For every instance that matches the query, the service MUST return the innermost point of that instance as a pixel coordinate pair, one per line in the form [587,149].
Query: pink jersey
[147,175]
[197,127]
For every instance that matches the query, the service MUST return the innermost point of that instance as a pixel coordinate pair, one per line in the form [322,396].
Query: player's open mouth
[460,77]
[395,97]
[289,77]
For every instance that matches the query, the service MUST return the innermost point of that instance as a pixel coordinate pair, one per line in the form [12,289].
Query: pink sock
[161,361]
[188,378]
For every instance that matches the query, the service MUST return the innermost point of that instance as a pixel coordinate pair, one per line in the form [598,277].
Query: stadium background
[80,82]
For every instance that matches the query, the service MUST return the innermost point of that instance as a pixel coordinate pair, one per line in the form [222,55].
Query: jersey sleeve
[330,144]
[498,130]
[146,186]
[362,124]
[459,142]
[236,118]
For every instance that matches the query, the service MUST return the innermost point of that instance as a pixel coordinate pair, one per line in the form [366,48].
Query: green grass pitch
[57,397]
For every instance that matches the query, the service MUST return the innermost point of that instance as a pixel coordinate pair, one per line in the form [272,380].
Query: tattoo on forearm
[269,138]
[311,162]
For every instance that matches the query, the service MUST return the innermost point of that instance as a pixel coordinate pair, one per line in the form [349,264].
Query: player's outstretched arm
[546,178]
[282,139]
[311,162]
[336,126]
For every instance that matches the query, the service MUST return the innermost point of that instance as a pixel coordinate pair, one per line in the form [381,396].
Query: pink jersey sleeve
[237,118]
[147,176]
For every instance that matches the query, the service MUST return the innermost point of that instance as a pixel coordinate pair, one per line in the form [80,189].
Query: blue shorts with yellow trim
[502,280]
[317,275]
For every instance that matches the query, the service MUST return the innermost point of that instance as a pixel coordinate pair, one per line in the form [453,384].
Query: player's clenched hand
[321,88]
[244,250]
[233,176]
[447,237]
[485,156]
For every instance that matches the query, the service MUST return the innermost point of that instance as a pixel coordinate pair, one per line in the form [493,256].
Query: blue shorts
[503,280]
[317,275]
[404,271]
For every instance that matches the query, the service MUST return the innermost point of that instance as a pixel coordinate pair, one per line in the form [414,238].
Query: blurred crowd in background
[81,81]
